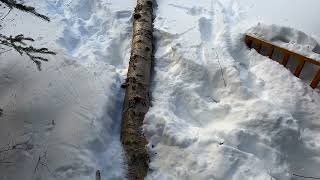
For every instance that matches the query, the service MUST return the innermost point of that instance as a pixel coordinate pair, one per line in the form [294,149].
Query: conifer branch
[19,43]
[13,4]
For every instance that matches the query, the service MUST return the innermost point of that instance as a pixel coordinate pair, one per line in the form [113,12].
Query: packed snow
[219,110]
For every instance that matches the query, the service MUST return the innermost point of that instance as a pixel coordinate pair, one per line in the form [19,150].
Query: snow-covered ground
[219,110]
[69,114]
[252,120]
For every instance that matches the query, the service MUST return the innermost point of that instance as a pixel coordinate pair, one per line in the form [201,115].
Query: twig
[5,51]
[6,162]
[42,160]
[35,169]
[6,14]
[306,177]
[9,149]
[224,81]
[16,146]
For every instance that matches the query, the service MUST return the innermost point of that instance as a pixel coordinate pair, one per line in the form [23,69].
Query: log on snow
[136,102]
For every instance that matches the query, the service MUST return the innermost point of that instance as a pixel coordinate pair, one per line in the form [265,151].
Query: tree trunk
[136,102]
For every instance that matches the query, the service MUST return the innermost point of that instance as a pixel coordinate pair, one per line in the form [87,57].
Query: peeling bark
[137,101]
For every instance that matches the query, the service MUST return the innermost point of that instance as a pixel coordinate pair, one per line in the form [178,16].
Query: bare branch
[11,148]
[6,14]
[17,146]
[306,177]
[222,75]
[5,162]
[43,161]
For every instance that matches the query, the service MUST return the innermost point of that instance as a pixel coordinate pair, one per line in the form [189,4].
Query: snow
[261,125]
[290,13]
[219,110]
[67,124]
[68,114]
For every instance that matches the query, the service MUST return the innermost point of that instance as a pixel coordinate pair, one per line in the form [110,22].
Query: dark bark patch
[137,99]
[149,3]
[137,16]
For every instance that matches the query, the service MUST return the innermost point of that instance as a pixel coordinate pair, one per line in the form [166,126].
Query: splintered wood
[258,44]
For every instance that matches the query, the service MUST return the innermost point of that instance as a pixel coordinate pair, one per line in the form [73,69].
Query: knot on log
[150,3]
[137,16]
[138,99]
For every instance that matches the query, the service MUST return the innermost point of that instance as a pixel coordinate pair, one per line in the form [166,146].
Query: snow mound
[289,38]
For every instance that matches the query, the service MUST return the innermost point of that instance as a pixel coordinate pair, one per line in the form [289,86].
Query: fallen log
[137,85]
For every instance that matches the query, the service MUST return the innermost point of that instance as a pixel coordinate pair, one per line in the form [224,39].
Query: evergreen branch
[19,43]
[29,9]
